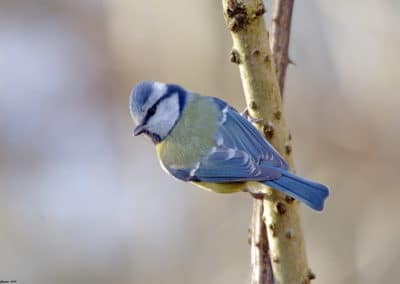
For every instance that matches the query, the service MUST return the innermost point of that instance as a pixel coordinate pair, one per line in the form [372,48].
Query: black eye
[152,110]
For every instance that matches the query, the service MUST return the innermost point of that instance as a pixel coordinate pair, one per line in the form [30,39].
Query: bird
[203,140]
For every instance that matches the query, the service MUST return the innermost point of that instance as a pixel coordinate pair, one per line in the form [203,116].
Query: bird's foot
[256,191]
[245,113]
[257,195]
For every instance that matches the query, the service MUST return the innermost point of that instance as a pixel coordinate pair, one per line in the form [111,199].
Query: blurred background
[82,201]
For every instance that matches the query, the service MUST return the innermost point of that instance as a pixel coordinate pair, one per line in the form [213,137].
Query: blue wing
[226,165]
[238,133]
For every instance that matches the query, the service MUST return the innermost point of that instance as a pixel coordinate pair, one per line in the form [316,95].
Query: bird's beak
[138,130]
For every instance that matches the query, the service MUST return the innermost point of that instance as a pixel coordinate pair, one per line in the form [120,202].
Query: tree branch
[252,53]
[280,35]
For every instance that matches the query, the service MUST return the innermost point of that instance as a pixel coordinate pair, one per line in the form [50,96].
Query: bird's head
[155,108]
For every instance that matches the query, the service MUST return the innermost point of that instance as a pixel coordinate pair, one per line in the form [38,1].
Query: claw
[245,113]
[257,194]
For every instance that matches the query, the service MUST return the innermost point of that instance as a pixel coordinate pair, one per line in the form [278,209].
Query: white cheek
[164,119]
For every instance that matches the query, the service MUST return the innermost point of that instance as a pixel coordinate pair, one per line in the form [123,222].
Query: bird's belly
[232,187]
[222,187]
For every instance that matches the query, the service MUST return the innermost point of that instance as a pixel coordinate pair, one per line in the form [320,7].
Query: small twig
[259,246]
[280,36]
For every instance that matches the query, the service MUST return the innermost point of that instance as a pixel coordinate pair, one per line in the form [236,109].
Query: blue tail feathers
[311,193]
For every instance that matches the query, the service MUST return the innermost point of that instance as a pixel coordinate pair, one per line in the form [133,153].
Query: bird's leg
[245,113]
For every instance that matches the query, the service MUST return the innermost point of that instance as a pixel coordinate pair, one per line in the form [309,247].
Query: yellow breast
[222,187]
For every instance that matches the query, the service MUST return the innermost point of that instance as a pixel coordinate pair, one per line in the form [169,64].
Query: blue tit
[203,140]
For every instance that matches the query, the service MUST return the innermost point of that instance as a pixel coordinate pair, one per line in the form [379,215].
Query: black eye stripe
[152,110]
